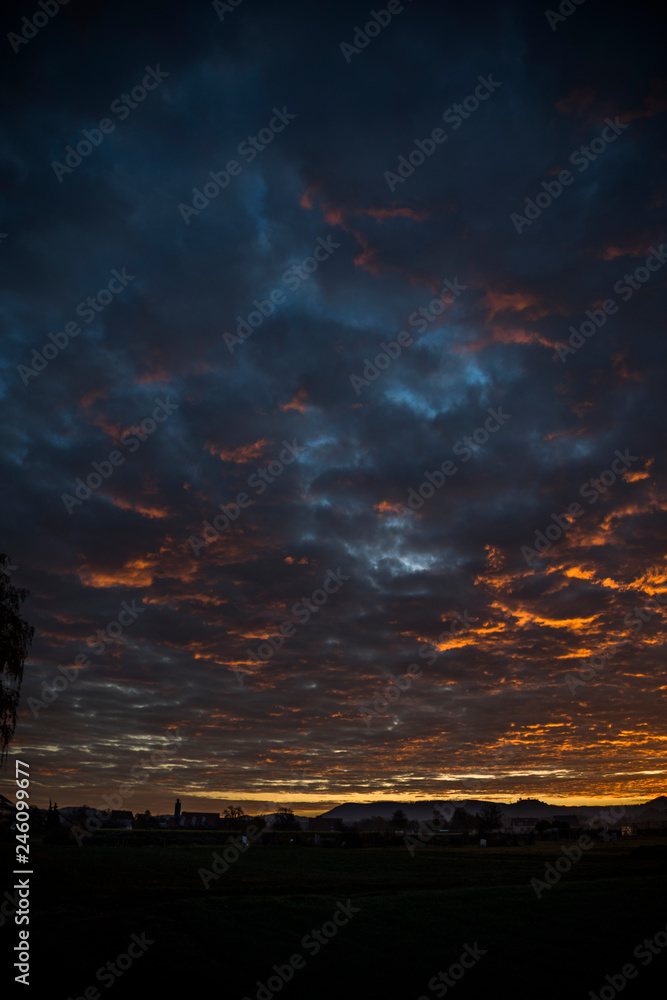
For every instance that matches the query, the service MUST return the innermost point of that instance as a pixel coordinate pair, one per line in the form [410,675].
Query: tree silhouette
[462,820]
[15,637]
[399,820]
[234,814]
[286,820]
[491,818]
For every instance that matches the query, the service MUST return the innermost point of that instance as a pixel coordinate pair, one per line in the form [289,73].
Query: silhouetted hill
[351,812]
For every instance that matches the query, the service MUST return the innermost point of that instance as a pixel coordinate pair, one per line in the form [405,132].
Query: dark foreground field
[415,916]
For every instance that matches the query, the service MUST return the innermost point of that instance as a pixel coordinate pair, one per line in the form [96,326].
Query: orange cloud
[140,508]
[385,507]
[519,302]
[585,103]
[653,581]
[621,367]
[298,402]
[368,259]
[91,397]
[655,103]
[579,101]
[633,249]
[517,335]
[159,374]
[631,476]
[87,401]
[568,432]
[494,557]
[244,453]
[135,573]
[393,213]
[338,214]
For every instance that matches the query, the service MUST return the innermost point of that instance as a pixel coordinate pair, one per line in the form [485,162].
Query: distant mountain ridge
[351,812]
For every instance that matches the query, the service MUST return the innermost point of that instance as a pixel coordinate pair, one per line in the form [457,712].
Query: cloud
[501,683]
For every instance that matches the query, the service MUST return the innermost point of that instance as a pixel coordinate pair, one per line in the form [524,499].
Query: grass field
[415,914]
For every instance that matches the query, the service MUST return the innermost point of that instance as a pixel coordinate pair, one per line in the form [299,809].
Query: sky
[213,218]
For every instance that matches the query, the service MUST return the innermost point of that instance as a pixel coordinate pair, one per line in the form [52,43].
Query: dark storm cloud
[492,713]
